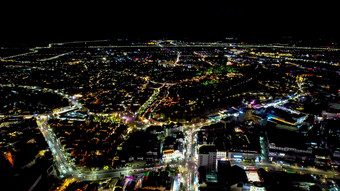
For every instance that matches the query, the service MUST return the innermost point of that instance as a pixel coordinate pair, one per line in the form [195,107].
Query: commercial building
[209,157]
[244,155]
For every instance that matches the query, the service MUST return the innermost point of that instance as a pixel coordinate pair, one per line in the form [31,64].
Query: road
[55,57]
[289,168]
[190,170]
[189,175]
[190,163]
[64,164]
[67,168]
[60,159]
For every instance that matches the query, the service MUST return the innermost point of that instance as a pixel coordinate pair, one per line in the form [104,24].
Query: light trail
[55,57]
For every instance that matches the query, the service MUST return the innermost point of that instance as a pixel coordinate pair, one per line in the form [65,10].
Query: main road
[67,168]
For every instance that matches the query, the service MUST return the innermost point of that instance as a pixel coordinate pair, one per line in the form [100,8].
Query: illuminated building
[207,157]
[171,154]
[244,155]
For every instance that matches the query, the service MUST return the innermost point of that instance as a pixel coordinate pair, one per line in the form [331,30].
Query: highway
[55,57]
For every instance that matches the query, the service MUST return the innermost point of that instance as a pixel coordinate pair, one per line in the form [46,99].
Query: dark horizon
[213,21]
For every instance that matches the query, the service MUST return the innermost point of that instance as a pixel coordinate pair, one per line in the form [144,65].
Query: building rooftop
[207,149]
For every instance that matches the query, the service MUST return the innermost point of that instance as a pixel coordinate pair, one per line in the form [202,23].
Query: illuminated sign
[169,151]
[237,156]
[254,188]
[253,176]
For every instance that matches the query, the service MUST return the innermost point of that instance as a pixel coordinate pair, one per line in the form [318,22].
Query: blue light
[241,112]
[237,156]
[270,117]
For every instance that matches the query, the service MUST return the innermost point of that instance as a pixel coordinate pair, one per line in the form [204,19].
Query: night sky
[208,20]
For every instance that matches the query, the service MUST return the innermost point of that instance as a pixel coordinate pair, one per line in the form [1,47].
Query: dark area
[249,21]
